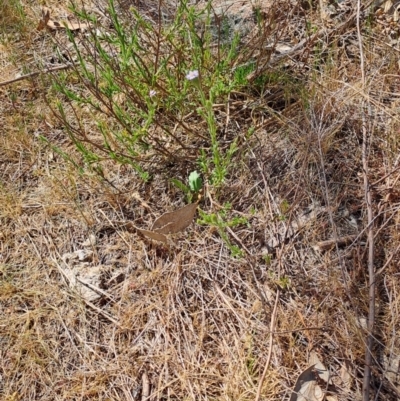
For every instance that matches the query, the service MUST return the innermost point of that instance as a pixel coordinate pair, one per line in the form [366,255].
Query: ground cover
[199,202]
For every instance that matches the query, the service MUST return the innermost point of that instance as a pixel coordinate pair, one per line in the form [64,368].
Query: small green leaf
[180,185]
[195,181]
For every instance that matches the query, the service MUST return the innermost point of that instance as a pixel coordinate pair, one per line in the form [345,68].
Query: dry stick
[36,73]
[368,199]
[330,243]
[271,338]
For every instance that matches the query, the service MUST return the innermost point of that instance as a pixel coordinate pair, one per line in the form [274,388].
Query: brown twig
[36,73]
[368,199]
[330,243]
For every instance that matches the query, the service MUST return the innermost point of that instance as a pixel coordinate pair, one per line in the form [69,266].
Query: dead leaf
[283,48]
[319,367]
[307,388]
[174,222]
[396,14]
[153,235]
[81,275]
[145,386]
[45,19]
[46,22]
[387,6]
[346,376]
[331,398]
[72,26]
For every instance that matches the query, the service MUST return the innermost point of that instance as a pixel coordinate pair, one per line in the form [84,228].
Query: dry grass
[189,318]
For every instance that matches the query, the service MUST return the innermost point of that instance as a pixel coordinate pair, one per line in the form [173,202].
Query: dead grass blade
[271,338]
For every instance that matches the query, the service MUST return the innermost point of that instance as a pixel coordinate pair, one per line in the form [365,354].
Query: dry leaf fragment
[306,387]
[346,376]
[46,22]
[153,235]
[45,19]
[319,367]
[145,387]
[72,26]
[174,222]
[169,223]
[387,6]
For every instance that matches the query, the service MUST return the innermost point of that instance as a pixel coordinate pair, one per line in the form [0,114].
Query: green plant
[221,222]
[195,185]
[283,281]
[135,84]
[195,182]
[267,259]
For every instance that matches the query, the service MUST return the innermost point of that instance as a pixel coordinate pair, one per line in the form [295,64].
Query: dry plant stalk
[370,221]
[35,74]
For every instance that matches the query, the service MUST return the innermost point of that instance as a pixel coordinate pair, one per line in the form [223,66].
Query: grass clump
[12,19]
